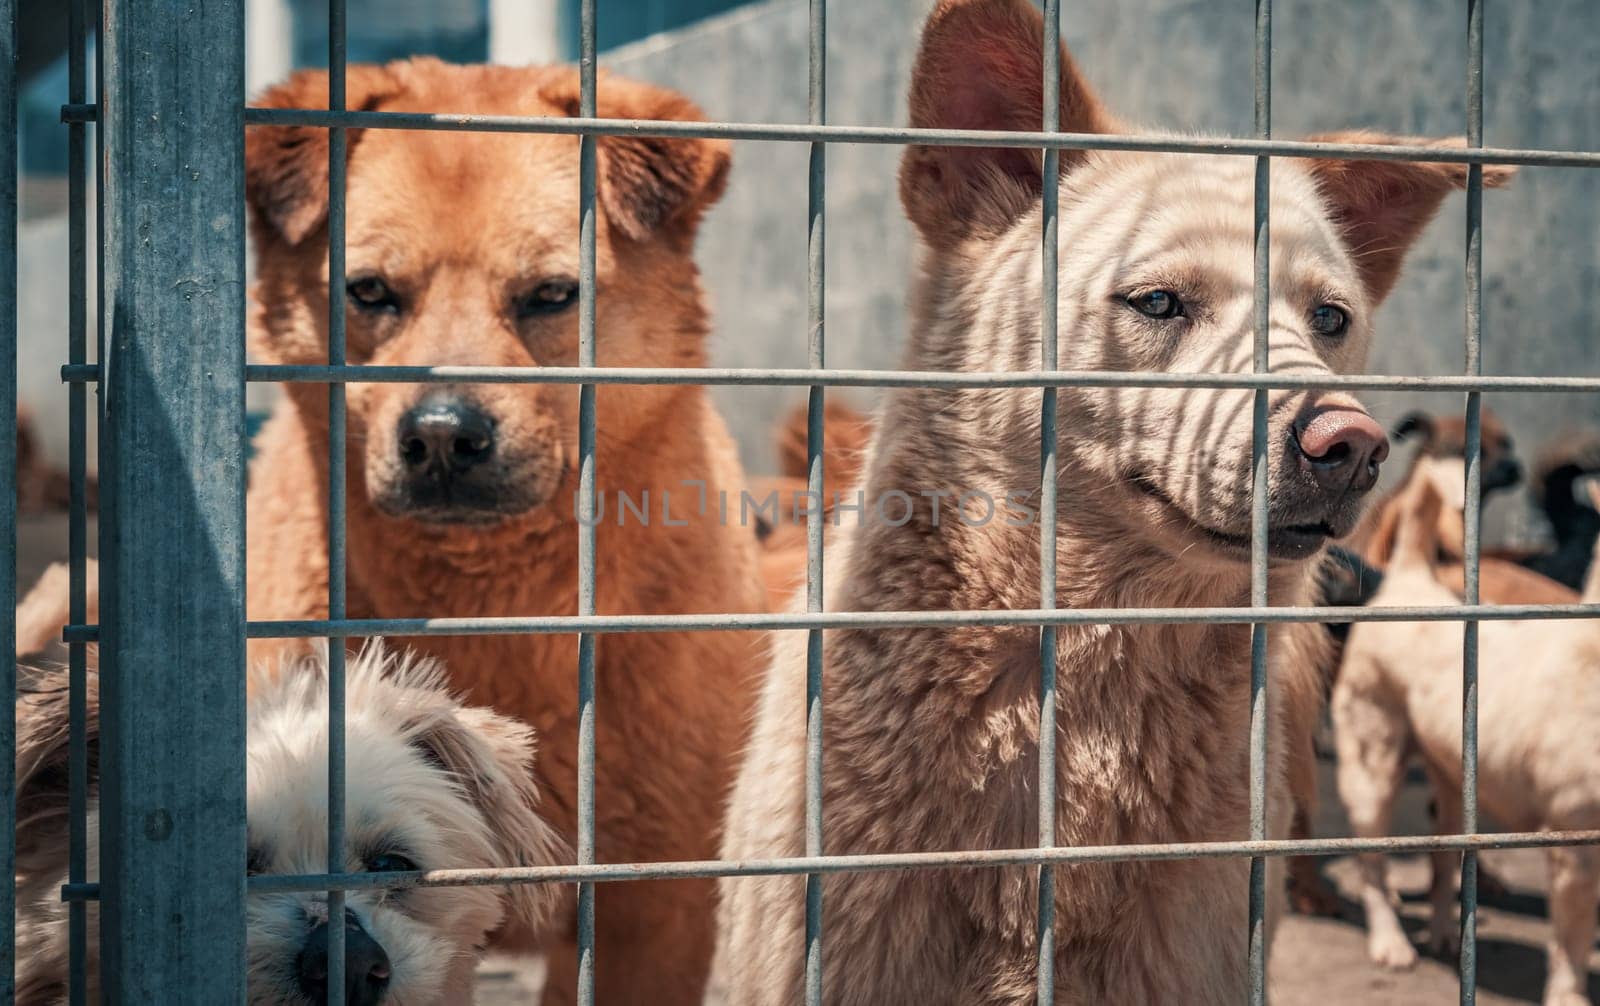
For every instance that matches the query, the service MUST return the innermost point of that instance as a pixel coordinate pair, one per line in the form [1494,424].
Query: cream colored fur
[930,735]
[445,785]
[1399,694]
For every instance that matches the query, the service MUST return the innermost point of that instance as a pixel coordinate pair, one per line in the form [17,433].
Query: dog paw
[1394,952]
[1445,941]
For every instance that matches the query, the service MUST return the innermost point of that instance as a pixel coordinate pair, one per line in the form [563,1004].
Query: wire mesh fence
[171,79]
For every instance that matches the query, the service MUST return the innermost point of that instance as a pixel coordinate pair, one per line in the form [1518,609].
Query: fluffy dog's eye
[372,294]
[256,862]
[389,862]
[550,297]
[1160,304]
[1329,321]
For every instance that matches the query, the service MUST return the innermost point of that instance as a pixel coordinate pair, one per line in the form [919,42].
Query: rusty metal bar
[797,377]
[816,344]
[1060,856]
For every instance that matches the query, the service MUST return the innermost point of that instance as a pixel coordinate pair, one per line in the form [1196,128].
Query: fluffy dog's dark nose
[1343,448]
[446,431]
[366,966]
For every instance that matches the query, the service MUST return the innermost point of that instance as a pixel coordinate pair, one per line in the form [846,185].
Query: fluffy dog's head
[1156,267]
[430,784]
[463,250]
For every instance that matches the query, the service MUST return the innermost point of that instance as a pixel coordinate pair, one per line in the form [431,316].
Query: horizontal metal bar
[791,377]
[556,624]
[798,133]
[1057,855]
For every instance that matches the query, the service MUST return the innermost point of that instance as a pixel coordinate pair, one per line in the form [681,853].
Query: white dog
[432,784]
[1399,693]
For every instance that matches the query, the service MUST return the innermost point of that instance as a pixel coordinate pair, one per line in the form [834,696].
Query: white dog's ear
[492,757]
[1381,207]
[981,66]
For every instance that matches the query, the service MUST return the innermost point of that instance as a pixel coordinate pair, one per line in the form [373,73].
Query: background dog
[1399,693]
[432,784]
[462,249]
[930,736]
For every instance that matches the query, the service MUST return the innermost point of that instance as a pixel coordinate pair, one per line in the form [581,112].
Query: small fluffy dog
[931,734]
[1399,694]
[432,784]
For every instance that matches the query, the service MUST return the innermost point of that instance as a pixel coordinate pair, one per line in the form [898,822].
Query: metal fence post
[172,831]
[8,482]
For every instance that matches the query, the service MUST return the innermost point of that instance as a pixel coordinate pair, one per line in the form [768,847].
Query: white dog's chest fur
[930,744]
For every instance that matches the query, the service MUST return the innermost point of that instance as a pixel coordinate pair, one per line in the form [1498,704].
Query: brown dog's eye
[1328,321]
[550,297]
[372,294]
[1159,304]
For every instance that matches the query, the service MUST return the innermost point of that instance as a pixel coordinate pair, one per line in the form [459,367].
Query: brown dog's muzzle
[453,460]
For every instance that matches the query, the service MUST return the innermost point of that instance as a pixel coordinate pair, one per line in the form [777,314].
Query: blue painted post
[172,831]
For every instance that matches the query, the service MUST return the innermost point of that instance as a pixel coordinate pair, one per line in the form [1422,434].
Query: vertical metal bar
[1258,510]
[77,505]
[172,827]
[587,102]
[8,490]
[816,292]
[1471,532]
[1048,279]
[337,557]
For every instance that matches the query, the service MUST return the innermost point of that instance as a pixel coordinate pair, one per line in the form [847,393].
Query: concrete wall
[1171,65]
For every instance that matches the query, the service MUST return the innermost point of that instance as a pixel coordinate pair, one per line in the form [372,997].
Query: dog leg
[1574,894]
[1310,893]
[1372,745]
[1444,932]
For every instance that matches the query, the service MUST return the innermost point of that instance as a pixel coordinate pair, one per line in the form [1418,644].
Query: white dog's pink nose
[1343,447]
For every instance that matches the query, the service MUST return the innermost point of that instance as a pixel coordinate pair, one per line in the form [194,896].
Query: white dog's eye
[1160,304]
[1328,321]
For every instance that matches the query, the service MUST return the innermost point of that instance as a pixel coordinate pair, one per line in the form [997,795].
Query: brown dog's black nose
[446,431]
[366,966]
[1343,448]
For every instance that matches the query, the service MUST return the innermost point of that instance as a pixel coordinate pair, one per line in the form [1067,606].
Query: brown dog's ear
[1381,207]
[981,66]
[286,167]
[492,757]
[650,186]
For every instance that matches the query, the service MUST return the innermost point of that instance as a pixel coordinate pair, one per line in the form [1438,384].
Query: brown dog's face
[1156,269]
[1445,437]
[462,249]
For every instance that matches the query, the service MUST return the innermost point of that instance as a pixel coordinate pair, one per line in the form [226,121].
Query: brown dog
[931,734]
[463,250]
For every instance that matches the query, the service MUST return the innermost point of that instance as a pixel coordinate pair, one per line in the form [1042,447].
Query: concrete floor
[1315,961]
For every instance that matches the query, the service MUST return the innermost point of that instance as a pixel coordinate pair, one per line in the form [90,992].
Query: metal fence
[170,119]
